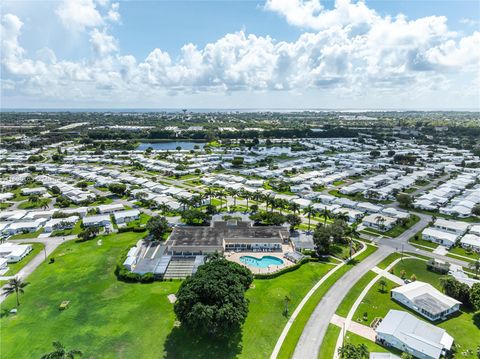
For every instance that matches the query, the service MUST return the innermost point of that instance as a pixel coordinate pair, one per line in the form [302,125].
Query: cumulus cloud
[79,14]
[351,50]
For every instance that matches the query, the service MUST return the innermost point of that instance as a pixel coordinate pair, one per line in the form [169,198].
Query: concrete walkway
[50,245]
[357,328]
[300,306]
[443,251]
[309,343]
[348,321]
[388,275]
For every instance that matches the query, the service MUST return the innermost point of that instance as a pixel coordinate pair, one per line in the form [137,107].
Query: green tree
[294,220]
[352,351]
[212,302]
[475,296]
[88,233]
[157,227]
[118,188]
[309,211]
[322,239]
[404,200]
[15,285]
[195,216]
[382,283]
[475,266]
[61,352]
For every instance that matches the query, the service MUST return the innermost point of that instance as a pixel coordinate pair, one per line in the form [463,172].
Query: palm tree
[233,193]
[380,221]
[286,301]
[475,266]
[33,198]
[326,214]
[268,198]
[184,202]
[350,233]
[309,211]
[246,195]
[257,196]
[209,192]
[45,204]
[280,204]
[220,195]
[61,352]
[15,285]
[294,207]
[382,283]
[342,216]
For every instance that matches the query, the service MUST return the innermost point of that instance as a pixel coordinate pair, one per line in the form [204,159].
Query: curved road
[309,343]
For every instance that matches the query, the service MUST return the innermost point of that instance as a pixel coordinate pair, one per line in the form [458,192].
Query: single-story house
[456,227]
[425,300]
[60,223]
[14,252]
[97,221]
[405,332]
[441,237]
[35,190]
[110,208]
[383,356]
[379,222]
[126,216]
[471,241]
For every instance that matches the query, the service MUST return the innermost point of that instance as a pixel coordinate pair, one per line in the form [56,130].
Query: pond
[170,145]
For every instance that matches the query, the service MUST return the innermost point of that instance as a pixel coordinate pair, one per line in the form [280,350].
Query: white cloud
[102,43]
[353,52]
[79,14]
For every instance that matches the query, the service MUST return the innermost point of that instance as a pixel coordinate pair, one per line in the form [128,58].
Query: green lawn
[464,326]
[141,221]
[296,329]
[386,262]
[114,315]
[353,294]
[329,342]
[397,229]
[13,268]
[422,242]
[111,314]
[371,346]
[33,205]
[419,268]
[461,251]
[27,235]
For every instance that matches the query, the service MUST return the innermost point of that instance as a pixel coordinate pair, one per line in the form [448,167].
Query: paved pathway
[357,328]
[297,310]
[388,275]
[50,245]
[309,343]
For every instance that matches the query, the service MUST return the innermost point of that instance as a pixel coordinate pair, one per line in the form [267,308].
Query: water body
[170,145]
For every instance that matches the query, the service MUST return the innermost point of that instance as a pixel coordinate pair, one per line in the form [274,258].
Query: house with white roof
[126,216]
[60,223]
[438,236]
[426,300]
[379,222]
[456,227]
[405,332]
[14,252]
[110,208]
[102,220]
[471,241]
[35,190]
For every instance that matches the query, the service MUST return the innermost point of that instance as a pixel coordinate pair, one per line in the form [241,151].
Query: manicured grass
[461,251]
[265,319]
[33,205]
[398,229]
[5,205]
[371,346]
[423,242]
[353,294]
[464,327]
[140,222]
[329,342]
[357,197]
[386,262]
[13,268]
[27,235]
[376,304]
[123,320]
[419,268]
[291,340]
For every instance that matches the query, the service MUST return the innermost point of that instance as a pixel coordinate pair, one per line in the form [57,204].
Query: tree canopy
[212,301]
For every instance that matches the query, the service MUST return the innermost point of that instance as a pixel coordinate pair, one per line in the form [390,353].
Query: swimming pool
[263,262]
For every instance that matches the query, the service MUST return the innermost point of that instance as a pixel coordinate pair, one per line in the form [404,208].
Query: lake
[170,145]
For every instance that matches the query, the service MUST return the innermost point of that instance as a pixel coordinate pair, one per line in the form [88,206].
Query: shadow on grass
[182,343]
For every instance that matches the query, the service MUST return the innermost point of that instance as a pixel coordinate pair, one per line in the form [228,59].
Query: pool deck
[235,257]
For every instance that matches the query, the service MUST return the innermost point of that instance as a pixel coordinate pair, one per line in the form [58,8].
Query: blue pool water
[263,262]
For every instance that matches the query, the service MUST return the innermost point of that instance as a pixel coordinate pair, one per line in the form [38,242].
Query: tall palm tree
[185,202]
[309,211]
[61,352]
[257,196]
[220,195]
[342,216]
[33,198]
[246,195]
[380,221]
[326,214]
[295,207]
[233,193]
[15,285]
[475,266]
[272,202]
[350,234]
[209,192]
[280,204]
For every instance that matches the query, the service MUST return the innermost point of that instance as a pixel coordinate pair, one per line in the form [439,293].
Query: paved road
[50,243]
[309,343]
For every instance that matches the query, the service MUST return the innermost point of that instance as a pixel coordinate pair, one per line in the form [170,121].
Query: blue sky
[293,53]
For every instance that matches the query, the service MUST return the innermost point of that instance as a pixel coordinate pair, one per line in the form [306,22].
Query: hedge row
[286,270]
[131,229]
[125,275]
